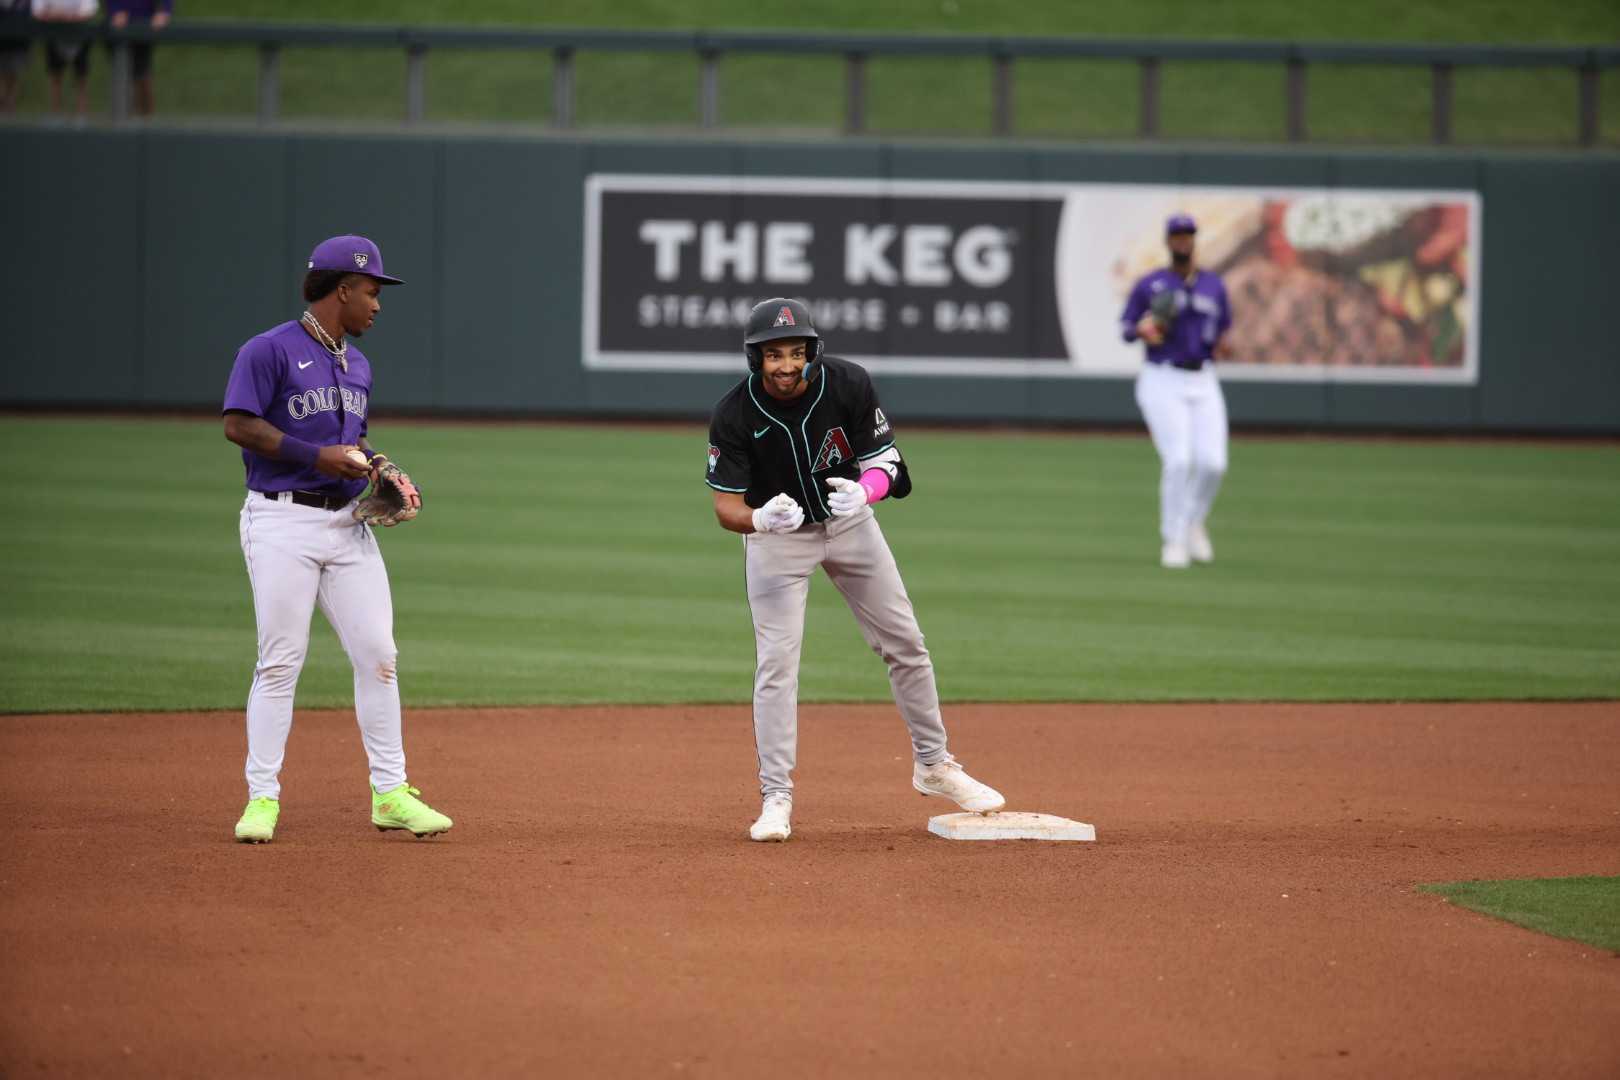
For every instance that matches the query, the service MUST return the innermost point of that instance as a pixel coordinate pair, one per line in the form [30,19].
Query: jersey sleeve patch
[726,466]
[871,430]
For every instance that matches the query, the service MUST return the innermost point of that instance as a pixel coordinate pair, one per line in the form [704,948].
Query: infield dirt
[1247,910]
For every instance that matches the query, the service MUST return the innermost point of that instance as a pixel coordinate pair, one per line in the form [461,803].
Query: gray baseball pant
[856,557]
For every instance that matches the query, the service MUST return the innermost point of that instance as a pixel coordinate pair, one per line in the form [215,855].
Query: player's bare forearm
[253,433]
[732,512]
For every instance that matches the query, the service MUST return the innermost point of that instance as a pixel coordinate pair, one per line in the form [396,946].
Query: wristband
[297,450]
[876,482]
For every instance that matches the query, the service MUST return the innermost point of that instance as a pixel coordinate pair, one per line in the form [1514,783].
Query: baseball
[358,458]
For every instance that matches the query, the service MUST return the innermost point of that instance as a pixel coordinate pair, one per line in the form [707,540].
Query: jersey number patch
[835,450]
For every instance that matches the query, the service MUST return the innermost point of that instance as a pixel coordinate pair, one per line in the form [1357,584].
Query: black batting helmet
[775,319]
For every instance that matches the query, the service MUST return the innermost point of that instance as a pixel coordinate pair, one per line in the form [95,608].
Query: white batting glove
[846,498]
[780,515]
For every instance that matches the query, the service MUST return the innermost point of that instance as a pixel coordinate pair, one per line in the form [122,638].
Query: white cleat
[1174,557]
[1198,545]
[773,824]
[948,781]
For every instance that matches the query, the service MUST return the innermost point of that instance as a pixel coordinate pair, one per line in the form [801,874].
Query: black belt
[1184,365]
[324,499]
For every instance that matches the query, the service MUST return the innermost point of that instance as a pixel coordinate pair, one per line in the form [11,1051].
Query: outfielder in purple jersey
[1181,313]
[297,403]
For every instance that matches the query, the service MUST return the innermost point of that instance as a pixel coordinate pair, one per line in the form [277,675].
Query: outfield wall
[138,261]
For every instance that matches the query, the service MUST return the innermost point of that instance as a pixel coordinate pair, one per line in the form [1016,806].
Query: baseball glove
[393,498]
[1163,309]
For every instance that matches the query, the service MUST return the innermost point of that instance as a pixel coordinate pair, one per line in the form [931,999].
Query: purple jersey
[1202,315]
[138,9]
[289,379]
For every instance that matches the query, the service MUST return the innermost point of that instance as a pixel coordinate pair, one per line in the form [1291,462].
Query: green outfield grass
[583,564]
[1585,909]
[944,96]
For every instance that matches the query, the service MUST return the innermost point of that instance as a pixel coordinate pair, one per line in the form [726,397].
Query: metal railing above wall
[1586,63]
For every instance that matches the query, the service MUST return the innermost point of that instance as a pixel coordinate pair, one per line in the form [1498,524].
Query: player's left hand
[846,498]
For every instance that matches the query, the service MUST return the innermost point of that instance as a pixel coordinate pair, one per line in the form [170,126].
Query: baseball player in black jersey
[797,453]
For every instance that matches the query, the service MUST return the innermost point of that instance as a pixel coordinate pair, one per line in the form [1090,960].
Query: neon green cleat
[401,809]
[258,822]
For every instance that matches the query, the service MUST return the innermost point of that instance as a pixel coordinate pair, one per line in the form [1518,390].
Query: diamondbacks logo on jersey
[784,317]
[880,423]
[361,258]
[714,457]
[835,450]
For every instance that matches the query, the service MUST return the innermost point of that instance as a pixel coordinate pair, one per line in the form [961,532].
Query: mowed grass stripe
[582,564]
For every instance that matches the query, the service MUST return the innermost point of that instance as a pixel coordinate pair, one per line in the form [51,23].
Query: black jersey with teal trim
[760,446]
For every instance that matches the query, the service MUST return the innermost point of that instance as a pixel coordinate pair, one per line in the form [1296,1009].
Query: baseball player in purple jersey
[797,453]
[296,404]
[1182,314]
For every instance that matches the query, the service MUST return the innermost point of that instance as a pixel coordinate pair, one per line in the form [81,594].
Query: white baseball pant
[857,558]
[297,557]
[1186,415]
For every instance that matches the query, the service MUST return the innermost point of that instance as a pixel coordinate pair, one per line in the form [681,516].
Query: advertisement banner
[965,278]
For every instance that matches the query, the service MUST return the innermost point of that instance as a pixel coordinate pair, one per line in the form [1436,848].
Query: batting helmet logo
[784,317]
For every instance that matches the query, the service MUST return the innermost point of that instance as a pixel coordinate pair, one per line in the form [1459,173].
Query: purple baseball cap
[1180,223]
[355,254]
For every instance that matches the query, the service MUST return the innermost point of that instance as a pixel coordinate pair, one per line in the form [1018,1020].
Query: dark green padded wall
[140,260]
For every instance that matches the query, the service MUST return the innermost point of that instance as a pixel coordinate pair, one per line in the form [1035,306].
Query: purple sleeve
[253,378]
[1225,322]
[1135,307]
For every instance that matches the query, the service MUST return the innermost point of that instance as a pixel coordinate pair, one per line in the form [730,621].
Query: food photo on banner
[1324,283]
[964,278]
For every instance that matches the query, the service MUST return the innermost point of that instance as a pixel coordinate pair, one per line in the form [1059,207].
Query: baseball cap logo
[361,258]
[785,317]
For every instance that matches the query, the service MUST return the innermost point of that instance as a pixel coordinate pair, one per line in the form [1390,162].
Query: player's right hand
[780,515]
[334,460]
[1148,330]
